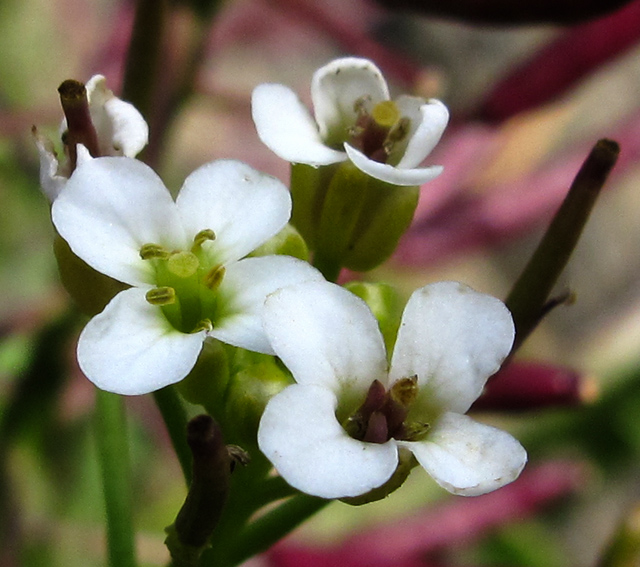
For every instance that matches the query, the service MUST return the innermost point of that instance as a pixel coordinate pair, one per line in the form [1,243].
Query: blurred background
[530,89]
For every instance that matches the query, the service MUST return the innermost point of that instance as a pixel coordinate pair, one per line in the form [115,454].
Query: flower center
[187,284]
[383,414]
[377,130]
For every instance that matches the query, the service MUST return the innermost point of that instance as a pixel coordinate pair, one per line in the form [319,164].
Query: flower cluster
[195,271]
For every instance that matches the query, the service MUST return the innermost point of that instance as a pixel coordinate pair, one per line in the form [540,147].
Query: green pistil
[183,264]
[386,113]
[186,285]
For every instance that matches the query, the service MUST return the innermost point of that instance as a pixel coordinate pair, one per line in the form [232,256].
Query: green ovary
[186,285]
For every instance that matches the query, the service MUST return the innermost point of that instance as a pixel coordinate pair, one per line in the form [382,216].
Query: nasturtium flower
[355,119]
[345,425]
[120,129]
[185,260]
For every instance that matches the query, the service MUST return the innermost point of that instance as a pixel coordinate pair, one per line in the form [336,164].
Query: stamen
[398,132]
[154,252]
[405,391]
[202,237]
[204,325]
[183,264]
[161,296]
[214,278]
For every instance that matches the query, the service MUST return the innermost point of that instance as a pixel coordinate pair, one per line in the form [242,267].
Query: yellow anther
[200,238]
[183,264]
[386,113]
[154,252]
[161,296]
[204,325]
[214,278]
[405,391]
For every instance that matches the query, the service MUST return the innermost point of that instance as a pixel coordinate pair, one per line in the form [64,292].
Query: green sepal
[385,304]
[308,190]
[288,242]
[255,379]
[90,289]
[349,219]
[206,383]
[406,462]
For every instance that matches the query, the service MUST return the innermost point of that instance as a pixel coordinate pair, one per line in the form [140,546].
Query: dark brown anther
[80,128]
[377,430]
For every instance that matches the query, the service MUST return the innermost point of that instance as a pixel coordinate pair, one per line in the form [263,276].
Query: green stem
[527,301]
[113,449]
[262,533]
[175,419]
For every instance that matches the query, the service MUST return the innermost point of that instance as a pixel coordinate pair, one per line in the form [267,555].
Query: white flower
[338,431]
[120,128]
[354,119]
[183,259]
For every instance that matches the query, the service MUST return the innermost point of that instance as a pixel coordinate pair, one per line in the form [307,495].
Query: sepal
[406,462]
[90,289]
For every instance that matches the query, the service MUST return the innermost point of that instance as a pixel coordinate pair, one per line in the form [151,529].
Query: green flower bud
[386,305]
[348,218]
[206,383]
[90,289]
[255,379]
[288,242]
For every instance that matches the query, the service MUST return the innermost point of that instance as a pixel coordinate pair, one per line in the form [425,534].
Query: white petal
[326,335]
[120,127]
[285,126]
[389,173]
[112,206]
[242,294]
[241,205]
[424,136]
[300,435]
[335,89]
[453,338]
[51,181]
[130,348]
[469,458]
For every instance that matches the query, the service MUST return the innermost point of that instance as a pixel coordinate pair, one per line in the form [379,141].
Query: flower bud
[207,381]
[385,304]
[348,218]
[521,386]
[255,379]
[288,242]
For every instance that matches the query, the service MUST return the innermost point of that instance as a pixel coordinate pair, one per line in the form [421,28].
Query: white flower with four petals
[338,431]
[185,260]
[120,128]
[355,119]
